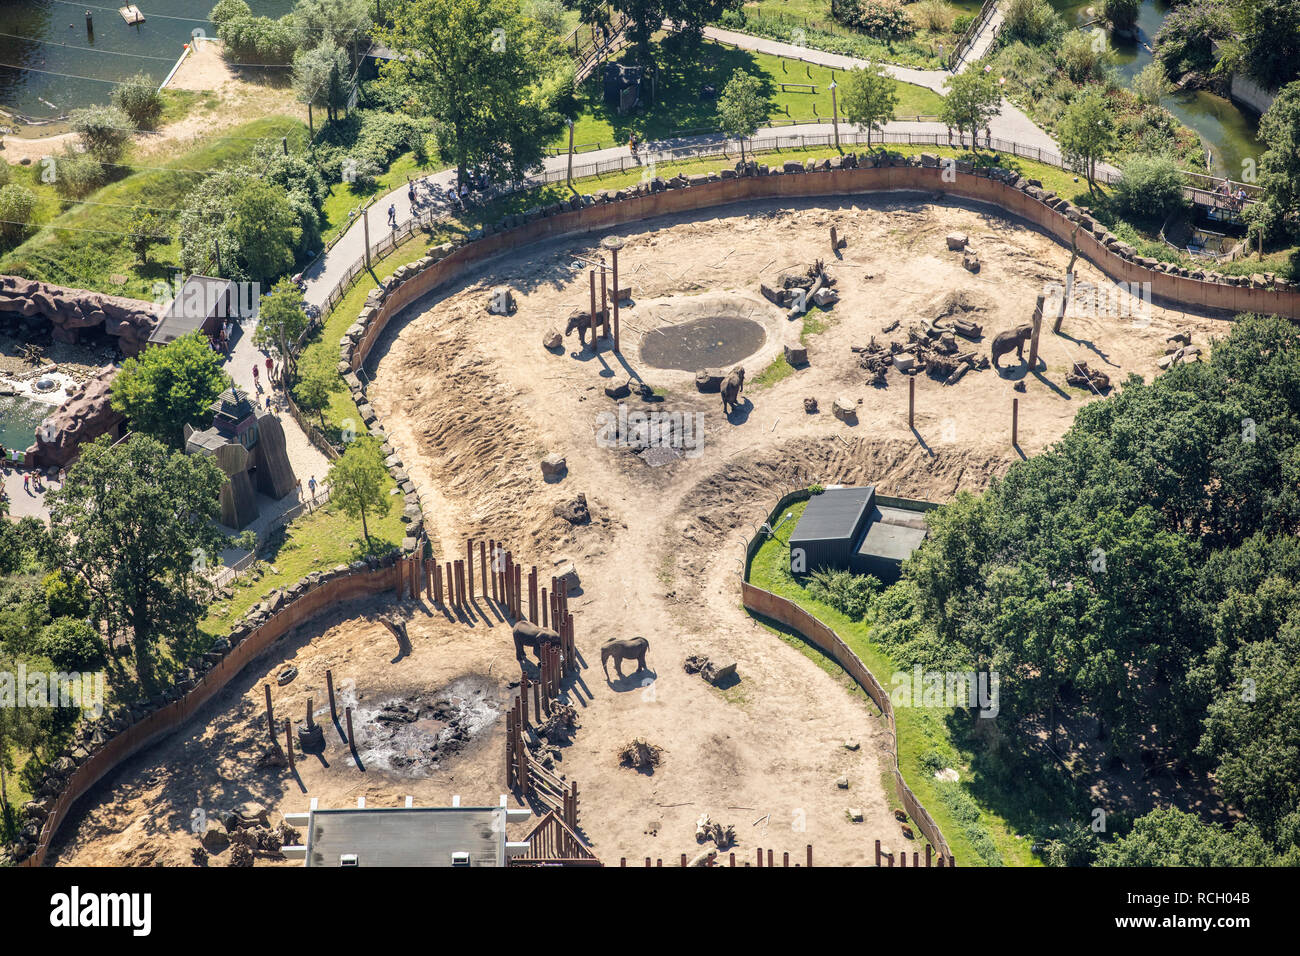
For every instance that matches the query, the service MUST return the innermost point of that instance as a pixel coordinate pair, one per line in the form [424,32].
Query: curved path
[325,273]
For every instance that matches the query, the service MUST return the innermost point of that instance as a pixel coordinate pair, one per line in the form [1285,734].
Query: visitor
[410,192]
[392,215]
[27,483]
[270,365]
[311,486]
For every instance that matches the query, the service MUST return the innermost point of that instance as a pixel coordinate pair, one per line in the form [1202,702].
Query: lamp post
[570,180]
[835,115]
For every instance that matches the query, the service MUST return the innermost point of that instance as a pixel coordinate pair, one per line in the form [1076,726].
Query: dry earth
[473,402]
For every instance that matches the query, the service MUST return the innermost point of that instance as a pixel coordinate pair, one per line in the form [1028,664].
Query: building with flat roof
[203,303]
[854,529]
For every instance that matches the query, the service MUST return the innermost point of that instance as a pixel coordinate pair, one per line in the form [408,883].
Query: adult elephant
[732,386]
[530,635]
[632,648]
[1012,339]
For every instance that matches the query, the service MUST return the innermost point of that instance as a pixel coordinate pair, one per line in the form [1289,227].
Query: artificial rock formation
[70,310]
[86,415]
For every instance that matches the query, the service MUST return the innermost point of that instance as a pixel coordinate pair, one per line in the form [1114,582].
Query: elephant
[527,634]
[1015,338]
[623,650]
[582,322]
[732,386]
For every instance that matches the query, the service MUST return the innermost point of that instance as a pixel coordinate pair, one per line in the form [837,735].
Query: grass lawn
[314,542]
[976,833]
[344,198]
[84,246]
[680,107]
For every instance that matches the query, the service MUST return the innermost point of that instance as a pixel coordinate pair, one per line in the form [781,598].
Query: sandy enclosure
[472,402]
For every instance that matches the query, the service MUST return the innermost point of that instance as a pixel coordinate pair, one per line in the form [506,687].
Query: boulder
[970,262]
[846,409]
[709,379]
[957,241]
[796,355]
[554,466]
[553,341]
[574,511]
[214,838]
[85,416]
[502,301]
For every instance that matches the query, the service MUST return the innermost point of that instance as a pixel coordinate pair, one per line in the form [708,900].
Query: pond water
[18,420]
[1230,132]
[78,70]
[710,342]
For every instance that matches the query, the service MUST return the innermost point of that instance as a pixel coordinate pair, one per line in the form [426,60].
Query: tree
[1150,188]
[1152,85]
[1032,22]
[1120,14]
[971,103]
[338,23]
[20,729]
[147,230]
[1169,837]
[742,107]
[321,77]
[1279,129]
[104,131]
[479,69]
[280,322]
[1086,134]
[647,17]
[72,645]
[77,175]
[357,481]
[265,228]
[163,389]
[1267,47]
[318,379]
[17,206]
[139,99]
[136,522]
[868,98]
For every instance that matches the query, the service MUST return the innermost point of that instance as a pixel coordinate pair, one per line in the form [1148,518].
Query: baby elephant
[623,650]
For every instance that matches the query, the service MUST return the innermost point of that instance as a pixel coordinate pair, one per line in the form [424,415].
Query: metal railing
[958,55]
[231,572]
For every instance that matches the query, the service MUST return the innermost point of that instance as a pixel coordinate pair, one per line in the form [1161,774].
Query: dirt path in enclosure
[472,403]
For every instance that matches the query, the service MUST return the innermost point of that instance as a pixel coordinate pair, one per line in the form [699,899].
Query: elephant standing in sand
[1015,338]
[582,321]
[527,634]
[732,386]
[623,650]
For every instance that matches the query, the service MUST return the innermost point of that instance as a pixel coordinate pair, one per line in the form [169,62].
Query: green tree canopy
[165,388]
[971,103]
[868,98]
[1086,134]
[357,482]
[280,321]
[136,522]
[742,107]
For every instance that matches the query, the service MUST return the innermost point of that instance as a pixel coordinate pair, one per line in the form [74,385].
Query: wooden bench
[810,87]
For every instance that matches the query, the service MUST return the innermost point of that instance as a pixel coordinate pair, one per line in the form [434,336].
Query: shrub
[72,644]
[1120,14]
[139,99]
[1030,21]
[1150,188]
[1151,85]
[878,18]
[104,131]
[850,594]
[932,15]
[1187,36]
[227,10]
[77,175]
[1083,58]
[5,173]
[17,205]
[250,39]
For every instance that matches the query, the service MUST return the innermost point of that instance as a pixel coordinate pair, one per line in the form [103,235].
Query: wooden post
[544,609]
[532,594]
[1065,301]
[482,566]
[469,570]
[592,275]
[352,740]
[570,179]
[1038,327]
[604,304]
[1015,421]
[877,853]
[270,712]
[492,549]
[614,252]
[428,578]
[310,724]
[288,741]
[785,858]
[911,401]
[769,858]
[523,698]
[760,856]
[399,570]
[928,848]
[329,683]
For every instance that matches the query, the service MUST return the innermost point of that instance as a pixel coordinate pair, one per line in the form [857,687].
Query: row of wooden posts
[525,775]
[911,411]
[930,857]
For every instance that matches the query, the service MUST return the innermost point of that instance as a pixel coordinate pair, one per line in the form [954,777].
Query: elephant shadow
[740,414]
[638,680]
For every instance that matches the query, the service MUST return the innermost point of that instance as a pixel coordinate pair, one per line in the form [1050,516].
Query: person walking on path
[311,486]
[392,215]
